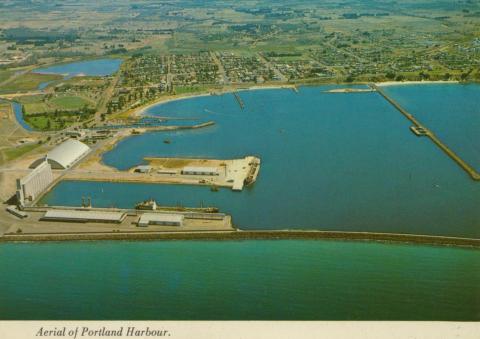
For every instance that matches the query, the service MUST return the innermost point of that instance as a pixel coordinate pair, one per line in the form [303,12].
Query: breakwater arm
[462,163]
[252,235]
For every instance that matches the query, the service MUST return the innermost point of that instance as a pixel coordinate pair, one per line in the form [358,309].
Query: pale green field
[27,82]
[70,102]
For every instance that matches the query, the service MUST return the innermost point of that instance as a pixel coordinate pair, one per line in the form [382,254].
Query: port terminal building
[198,170]
[64,155]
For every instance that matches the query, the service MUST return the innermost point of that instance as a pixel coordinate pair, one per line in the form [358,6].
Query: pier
[423,131]
[239,100]
[234,173]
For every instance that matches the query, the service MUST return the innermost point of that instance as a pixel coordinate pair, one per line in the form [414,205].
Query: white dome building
[64,155]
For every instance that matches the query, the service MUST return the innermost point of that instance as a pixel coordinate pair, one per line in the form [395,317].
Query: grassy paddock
[28,82]
[16,152]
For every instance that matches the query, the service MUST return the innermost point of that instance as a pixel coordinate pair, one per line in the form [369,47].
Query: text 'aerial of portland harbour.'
[239,160]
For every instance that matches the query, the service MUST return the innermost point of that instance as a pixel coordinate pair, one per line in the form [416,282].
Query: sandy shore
[425,82]
[142,110]
[163,100]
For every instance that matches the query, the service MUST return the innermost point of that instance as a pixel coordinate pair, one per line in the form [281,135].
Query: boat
[150,204]
[167,141]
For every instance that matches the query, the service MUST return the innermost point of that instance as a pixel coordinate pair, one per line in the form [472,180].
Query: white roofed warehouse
[161,219]
[64,155]
[196,170]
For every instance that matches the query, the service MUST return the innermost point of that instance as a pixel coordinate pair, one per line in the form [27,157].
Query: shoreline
[419,82]
[141,111]
[171,98]
[244,235]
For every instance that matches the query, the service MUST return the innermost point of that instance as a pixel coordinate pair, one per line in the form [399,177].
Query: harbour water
[329,161]
[455,117]
[98,67]
[294,280]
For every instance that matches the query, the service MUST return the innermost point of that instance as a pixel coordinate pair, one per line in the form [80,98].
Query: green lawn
[43,123]
[70,102]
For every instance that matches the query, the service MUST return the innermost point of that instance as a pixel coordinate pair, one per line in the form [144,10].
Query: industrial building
[83,216]
[35,183]
[75,134]
[145,169]
[162,219]
[191,170]
[64,155]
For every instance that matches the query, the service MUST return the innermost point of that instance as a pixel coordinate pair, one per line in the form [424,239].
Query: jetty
[421,130]
[234,173]
[239,100]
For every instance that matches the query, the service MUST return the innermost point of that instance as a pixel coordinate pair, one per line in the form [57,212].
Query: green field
[16,152]
[27,82]
[4,75]
[36,104]
[42,123]
[70,102]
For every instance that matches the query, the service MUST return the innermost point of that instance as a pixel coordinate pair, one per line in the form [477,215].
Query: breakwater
[239,100]
[464,165]
[250,235]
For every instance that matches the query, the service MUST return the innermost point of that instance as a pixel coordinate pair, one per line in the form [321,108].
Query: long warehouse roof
[200,169]
[161,217]
[84,215]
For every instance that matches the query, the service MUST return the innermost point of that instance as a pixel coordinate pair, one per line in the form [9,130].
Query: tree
[390,75]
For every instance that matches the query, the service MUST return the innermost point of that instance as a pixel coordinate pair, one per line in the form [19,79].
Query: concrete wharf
[80,220]
[418,126]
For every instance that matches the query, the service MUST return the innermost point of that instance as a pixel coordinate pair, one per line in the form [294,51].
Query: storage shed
[162,219]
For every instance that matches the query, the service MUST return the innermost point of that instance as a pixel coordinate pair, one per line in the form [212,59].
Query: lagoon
[99,67]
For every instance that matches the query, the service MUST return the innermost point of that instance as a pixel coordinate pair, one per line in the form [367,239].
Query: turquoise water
[295,280]
[329,161]
[99,67]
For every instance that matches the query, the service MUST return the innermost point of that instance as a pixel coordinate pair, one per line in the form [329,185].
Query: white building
[162,219]
[84,216]
[65,155]
[191,170]
[31,186]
